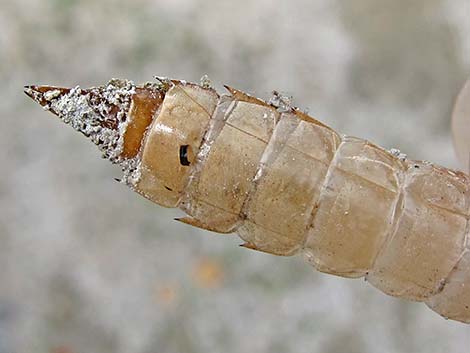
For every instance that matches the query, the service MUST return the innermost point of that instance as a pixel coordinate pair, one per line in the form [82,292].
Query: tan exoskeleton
[286,183]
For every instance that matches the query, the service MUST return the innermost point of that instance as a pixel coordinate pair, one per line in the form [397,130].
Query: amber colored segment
[429,235]
[145,103]
[182,121]
[352,217]
[453,301]
[279,208]
[231,164]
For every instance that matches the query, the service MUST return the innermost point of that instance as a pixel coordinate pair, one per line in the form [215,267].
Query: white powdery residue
[397,153]
[131,169]
[91,113]
[282,103]
[100,114]
[74,110]
[259,173]
[204,150]
[49,95]
[205,81]
[119,91]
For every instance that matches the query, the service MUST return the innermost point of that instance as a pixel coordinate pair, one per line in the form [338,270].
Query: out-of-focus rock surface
[88,266]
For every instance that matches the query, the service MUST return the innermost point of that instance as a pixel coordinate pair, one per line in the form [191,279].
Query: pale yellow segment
[315,140]
[227,173]
[182,120]
[429,236]
[445,188]
[205,97]
[370,162]
[253,119]
[287,187]
[453,301]
[354,212]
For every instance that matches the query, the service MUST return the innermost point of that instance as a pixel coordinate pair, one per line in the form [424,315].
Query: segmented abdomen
[287,184]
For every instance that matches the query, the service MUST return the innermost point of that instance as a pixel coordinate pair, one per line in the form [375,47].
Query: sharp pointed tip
[40,93]
[248,245]
[35,93]
[98,113]
[229,89]
[29,90]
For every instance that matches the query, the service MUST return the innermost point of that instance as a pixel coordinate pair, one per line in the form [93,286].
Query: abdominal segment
[288,184]
[355,212]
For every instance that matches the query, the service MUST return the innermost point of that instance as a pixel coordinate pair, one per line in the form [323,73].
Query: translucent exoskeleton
[286,183]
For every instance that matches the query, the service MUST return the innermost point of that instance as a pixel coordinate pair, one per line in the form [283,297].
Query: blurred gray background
[88,266]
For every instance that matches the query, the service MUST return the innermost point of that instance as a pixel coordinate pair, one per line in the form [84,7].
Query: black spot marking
[184,155]
[169,189]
